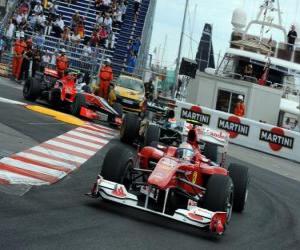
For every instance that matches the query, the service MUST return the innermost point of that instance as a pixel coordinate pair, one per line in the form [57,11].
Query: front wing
[193,215]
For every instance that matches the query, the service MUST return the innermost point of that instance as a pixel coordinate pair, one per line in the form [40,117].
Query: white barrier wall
[259,136]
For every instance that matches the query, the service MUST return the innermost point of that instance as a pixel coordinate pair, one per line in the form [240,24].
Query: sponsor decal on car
[233,126]
[276,139]
[195,116]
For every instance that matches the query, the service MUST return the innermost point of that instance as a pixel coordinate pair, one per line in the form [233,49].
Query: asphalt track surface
[61,217]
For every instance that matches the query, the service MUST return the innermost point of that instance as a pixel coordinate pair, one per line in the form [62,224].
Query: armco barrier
[244,132]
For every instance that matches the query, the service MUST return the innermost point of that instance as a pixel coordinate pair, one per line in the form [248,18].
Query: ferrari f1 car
[72,94]
[175,182]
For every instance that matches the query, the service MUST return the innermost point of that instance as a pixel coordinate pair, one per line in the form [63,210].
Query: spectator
[105,76]
[62,63]
[136,7]
[39,40]
[123,7]
[94,39]
[105,6]
[248,70]
[131,62]
[117,18]
[296,127]
[27,58]
[46,58]
[87,50]
[23,25]
[53,11]
[102,35]
[58,27]
[38,9]
[36,61]
[75,38]
[108,22]
[75,20]
[240,109]
[292,35]
[10,34]
[136,45]
[40,22]
[80,28]
[66,35]
[287,124]
[18,50]
[100,18]
[2,46]
[110,41]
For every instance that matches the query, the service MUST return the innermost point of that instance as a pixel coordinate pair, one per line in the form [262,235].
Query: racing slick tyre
[152,134]
[117,165]
[31,89]
[211,151]
[240,177]
[129,130]
[118,108]
[219,195]
[77,104]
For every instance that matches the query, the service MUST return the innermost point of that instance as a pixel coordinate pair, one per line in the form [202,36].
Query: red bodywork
[68,91]
[168,168]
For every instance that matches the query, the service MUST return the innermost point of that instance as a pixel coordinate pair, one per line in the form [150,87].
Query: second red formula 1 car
[72,94]
[176,182]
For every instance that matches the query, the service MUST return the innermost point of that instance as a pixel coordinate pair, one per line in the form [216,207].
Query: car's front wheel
[219,195]
[31,89]
[77,104]
[118,165]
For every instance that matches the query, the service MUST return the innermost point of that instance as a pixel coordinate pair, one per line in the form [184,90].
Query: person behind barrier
[240,109]
[62,63]
[18,50]
[105,76]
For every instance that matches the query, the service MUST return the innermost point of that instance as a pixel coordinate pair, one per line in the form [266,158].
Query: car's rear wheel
[240,177]
[31,89]
[118,165]
[152,134]
[219,195]
[129,130]
[77,104]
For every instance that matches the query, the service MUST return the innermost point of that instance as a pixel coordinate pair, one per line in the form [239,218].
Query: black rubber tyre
[55,98]
[77,104]
[219,195]
[211,151]
[240,177]
[129,130]
[31,89]
[152,134]
[119,108]
[117,164]
[175,201]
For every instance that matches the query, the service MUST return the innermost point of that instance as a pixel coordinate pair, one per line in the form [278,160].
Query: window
[226,100]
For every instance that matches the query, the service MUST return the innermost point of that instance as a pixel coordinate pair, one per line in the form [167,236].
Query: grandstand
[129,30]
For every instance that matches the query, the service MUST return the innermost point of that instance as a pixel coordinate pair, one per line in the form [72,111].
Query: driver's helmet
[185,151]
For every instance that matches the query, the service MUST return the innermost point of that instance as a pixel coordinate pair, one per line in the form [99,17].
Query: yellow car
[130,93]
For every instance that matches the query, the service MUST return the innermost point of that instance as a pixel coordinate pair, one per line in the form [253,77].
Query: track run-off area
[60,216]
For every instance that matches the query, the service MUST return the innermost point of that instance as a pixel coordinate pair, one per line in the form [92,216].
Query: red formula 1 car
[71,94]
[176,182]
